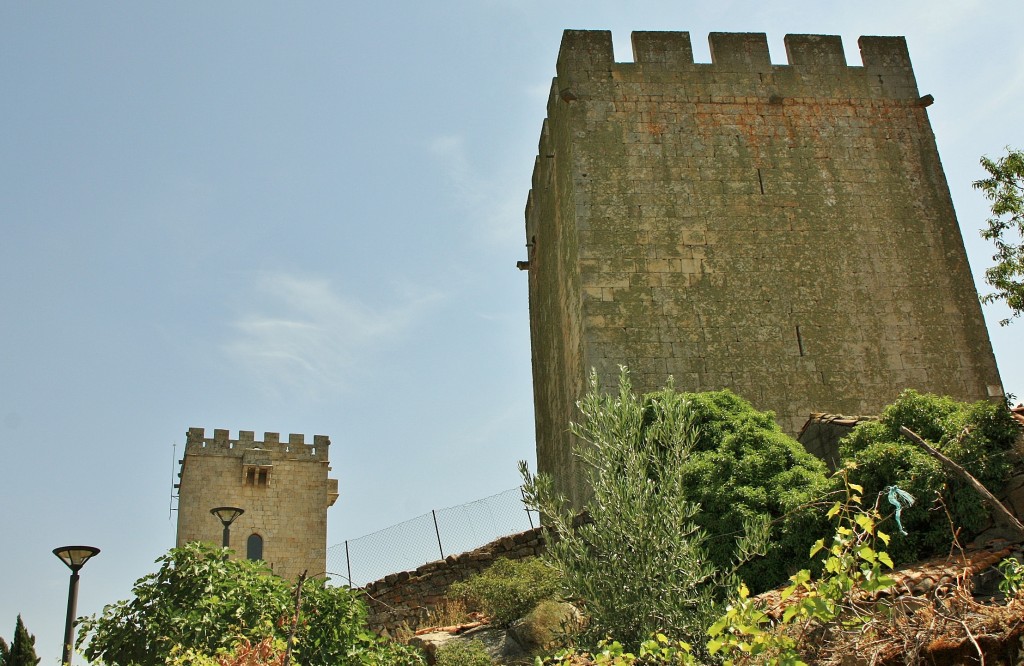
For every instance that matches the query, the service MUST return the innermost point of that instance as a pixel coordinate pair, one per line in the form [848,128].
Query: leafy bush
[656,651]
[1012,583]
[508,589]
[201,603]
[640,565]
[268,652]
[977,436]
[854,563]
[742,467]
[463,653]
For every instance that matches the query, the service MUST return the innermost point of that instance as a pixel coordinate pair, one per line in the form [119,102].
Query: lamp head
[227,514]
[75,557]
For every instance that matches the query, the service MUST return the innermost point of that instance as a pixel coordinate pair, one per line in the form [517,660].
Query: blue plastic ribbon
[900,499]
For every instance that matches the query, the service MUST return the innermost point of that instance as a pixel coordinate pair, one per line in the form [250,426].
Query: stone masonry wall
[784,231]
[404,599]
[288,509]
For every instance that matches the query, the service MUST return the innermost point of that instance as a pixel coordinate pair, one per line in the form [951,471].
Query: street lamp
[75,557]
[227,515]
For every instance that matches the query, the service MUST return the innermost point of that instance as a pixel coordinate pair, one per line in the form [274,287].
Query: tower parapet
[295,445]
[741,65]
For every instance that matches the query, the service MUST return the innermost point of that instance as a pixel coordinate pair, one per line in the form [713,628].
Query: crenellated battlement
[816,64]
[295,446]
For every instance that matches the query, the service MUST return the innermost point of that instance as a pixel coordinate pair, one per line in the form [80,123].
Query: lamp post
[227,515]
[75,557]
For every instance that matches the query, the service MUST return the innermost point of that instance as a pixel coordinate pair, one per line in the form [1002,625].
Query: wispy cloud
[302,334]
[1006,96]
[494,202]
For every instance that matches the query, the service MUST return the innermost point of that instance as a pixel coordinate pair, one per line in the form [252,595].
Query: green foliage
[197,599]
[1004,187]
[1012,583]
[22,651]
[742,467]
[853,562]
[334,631]
[640,564]
[509,589]
[463,653]
[977,436]
[202,602]
[656,651]
[268,652]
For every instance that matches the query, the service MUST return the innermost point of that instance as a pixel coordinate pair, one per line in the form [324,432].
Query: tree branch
[964,474]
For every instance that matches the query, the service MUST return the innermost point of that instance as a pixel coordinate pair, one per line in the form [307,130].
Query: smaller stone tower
[282,486]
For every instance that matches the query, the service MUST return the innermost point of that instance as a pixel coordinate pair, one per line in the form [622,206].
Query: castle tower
[784,231]
[282,486]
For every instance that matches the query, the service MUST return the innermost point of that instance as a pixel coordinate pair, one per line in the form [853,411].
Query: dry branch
[964,474]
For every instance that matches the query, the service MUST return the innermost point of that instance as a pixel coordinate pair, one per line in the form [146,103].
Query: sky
[305,217]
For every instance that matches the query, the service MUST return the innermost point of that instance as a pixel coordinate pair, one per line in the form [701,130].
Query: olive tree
[638,561]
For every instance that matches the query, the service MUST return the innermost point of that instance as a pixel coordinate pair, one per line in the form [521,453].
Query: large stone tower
[282,486]
[785,231]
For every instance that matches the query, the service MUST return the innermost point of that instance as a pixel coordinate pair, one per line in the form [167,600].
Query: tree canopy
[22,650]
[1004,187]
[200,602]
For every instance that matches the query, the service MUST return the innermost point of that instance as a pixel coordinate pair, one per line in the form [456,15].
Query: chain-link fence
[432,536]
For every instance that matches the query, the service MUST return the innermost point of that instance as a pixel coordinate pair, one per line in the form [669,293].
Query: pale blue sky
[305,217]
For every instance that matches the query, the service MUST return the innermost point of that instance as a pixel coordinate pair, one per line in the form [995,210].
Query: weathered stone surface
[541,628]
[500,645]
[1014,495]
[282,486]
[781,230]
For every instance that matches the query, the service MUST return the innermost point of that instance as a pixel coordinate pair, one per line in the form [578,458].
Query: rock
[542,627]
[500,644]
[503,648]
[429,642]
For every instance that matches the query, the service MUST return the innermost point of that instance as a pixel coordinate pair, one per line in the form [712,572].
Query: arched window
[254,547]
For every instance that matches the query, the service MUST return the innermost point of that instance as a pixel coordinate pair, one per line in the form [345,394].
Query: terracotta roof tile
[1018,413]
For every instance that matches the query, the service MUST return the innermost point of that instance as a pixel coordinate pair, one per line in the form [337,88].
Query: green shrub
[463,653]
[200,602]
[742,467]
[655,651]
[641,564]
[508,589]
[977,436]
[854,562]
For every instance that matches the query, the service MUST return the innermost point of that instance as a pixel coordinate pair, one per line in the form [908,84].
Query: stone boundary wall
[405,598]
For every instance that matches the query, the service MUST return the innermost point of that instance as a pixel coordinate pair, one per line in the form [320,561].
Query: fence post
[528,516]
[348,564]
[437,532]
